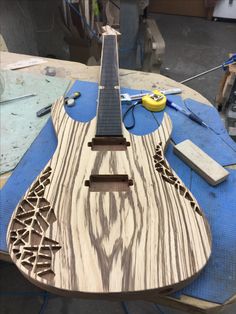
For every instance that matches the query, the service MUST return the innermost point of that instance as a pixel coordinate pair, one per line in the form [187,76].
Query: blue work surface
[217,282]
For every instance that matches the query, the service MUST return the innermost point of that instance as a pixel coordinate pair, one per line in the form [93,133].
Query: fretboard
[109,107]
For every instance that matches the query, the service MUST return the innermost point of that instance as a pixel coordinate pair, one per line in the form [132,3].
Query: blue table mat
[217,282]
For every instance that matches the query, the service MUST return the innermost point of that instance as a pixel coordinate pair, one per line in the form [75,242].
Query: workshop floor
[192,46]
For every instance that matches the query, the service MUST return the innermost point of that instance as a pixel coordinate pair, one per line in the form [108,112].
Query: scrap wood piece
[202,163]
[24,63]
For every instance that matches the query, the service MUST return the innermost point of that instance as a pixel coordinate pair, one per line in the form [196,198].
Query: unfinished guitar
[107,216]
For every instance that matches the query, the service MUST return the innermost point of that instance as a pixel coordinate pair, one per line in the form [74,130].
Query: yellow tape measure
[155,101]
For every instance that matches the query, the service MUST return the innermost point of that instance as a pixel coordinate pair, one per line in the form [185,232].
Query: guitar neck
[109,122]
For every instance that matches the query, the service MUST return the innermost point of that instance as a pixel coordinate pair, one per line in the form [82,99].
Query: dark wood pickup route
[109,182]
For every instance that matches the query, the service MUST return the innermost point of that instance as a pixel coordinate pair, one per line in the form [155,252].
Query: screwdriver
[190,115]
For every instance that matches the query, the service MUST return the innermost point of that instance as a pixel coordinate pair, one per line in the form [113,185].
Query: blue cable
[125,307]
[83,19]
[158,308]
[45,302]
[115,4]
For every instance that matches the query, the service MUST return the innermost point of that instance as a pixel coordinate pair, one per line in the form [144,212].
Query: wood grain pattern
[33,217]
[151,238]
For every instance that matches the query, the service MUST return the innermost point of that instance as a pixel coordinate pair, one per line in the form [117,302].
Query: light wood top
[108,238]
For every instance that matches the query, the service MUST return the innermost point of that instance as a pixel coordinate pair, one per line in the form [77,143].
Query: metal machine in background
[225,9]
[141,45]
[226,98]
[227,105]
[231,112]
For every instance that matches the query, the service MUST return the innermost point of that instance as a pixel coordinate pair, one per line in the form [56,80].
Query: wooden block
[202,163]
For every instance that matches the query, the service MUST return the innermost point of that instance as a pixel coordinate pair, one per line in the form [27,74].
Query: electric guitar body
[108,216]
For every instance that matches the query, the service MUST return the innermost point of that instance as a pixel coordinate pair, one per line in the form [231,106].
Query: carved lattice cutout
[34,216]
[168,176]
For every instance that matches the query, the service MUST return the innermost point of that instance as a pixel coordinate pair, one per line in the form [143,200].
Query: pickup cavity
[108,183]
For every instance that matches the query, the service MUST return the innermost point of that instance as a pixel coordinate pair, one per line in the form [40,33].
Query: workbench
[134,80]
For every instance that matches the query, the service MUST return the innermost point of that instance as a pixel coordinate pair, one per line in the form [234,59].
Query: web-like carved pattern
[33,217]
[168,175]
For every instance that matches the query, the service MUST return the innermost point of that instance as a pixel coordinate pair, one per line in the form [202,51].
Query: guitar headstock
[108,30]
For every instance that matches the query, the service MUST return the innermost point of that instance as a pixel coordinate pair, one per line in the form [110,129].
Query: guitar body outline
[152,238]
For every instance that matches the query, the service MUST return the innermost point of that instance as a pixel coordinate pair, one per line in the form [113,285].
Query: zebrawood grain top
[67,239]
